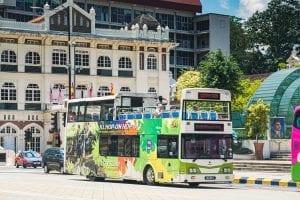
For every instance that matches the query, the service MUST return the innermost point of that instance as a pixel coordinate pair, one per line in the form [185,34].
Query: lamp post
[74,67]
[69,48]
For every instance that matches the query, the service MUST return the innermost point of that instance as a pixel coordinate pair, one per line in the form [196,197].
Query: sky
[239,8]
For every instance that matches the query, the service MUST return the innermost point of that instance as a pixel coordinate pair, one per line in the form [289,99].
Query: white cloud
[224,4]
[249,7]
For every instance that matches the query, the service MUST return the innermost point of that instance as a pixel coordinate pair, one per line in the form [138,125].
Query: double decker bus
[295,145]
[118,137]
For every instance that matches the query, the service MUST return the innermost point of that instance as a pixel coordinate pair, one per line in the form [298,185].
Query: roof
[142,19]
[281,90]
[184,5]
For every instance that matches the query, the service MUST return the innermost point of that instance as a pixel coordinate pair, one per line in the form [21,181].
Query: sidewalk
[281,179]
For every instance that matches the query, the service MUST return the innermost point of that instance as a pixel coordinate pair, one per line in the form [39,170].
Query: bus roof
[110,97]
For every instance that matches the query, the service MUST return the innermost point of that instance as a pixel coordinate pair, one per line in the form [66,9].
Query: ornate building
[63,54]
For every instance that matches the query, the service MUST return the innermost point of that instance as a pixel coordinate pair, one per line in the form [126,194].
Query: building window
[185,40]
[104,61]
[125,63]
[81,91]
[35,144]
[103,91]
[163,62]
[184,23]
[120,15]
[10,133]
[32,58]
[165,20]
[152,90]
[33,93]
[59,57]
[125,48]
[8,56]
[151,62]
[82,59]
[8,92]
[142,61]
[125,89]
[1,141]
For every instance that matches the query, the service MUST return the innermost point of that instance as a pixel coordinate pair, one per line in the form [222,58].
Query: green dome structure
[281,90]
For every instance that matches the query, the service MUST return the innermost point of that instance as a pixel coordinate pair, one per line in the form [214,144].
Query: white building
[35,58]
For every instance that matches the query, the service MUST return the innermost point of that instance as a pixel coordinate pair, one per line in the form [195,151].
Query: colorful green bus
[118,137]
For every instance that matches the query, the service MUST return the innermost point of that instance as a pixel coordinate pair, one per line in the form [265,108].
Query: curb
[266,182]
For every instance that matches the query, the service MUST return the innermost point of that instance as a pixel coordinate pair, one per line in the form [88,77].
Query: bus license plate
[210,178]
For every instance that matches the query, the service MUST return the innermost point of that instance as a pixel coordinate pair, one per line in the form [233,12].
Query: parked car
[28,159]
[53,159]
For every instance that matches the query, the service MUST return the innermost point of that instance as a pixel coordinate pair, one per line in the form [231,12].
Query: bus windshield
[206,146]
[206,110]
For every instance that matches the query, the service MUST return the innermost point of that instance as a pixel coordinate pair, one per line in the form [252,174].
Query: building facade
[196,33]
[63,54]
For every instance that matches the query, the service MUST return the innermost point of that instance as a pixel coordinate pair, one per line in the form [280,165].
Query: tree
[219,71]
[240,101]
[276,29]
[257,118]
[189,79]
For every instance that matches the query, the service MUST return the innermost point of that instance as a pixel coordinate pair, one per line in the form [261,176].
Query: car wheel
[24,166]
[46,170]
[34,166]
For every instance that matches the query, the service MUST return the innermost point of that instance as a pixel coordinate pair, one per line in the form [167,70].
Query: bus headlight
[192,170]
[226,170]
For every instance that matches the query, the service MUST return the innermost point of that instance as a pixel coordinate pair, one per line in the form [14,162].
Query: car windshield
[36,154]
[29,155]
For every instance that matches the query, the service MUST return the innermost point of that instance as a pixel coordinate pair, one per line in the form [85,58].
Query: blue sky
[239,8]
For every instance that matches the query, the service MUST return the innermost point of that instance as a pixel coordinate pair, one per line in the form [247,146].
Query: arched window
[151,62]
[8,136]
[32,58]
[104,61]
[35,143]
[8,92]
[8,56]
[152,90]
[103,91]
[33,92]
[125,63]
[125,89]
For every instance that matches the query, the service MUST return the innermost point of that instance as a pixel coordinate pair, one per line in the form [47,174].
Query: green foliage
[257,118]
[282,65]
[239,102]
[189,79]
[277,29]
[219,71]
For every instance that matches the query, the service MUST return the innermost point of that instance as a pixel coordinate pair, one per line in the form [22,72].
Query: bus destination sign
[208,127]
[208,95]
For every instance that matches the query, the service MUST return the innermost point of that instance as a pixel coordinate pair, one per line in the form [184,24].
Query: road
[34,184]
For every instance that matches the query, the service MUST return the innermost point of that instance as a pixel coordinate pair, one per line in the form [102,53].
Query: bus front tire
[149,176]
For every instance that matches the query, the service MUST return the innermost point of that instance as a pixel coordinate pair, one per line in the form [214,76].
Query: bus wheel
[193,185]
[149,177]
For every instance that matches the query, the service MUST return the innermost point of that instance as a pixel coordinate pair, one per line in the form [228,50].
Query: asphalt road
[34,184]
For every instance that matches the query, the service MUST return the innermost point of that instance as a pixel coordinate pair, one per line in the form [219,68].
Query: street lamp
[74,67]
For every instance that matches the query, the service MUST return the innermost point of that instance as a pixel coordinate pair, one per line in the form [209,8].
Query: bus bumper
[206,178]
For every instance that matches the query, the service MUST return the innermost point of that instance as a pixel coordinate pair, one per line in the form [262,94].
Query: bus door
[167,154]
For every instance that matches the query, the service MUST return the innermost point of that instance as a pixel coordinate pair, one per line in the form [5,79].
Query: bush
[238,149]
